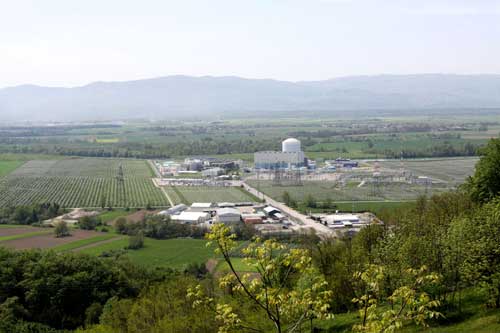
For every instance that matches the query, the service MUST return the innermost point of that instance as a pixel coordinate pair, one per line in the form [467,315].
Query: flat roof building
[191,217]
[228,216]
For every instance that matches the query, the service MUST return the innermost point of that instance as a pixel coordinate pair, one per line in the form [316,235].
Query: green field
[173,253]
[453,170]
[322,191]
[25,235]
[190,194]
[82,183]
[109,216]
[6,167]
[238,263]
[84,242]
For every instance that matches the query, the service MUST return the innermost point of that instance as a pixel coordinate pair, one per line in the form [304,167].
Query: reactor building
[291,156]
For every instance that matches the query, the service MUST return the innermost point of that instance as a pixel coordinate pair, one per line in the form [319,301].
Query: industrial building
[191,217]
[213,172]
[174,210]
[202,207]
[290,156]
[228,216]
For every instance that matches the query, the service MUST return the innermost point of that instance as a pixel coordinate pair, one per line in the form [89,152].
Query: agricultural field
[26,237]
[322,191]
[190,194]
[451,170]
[82,183]
[7,167]
[173,253]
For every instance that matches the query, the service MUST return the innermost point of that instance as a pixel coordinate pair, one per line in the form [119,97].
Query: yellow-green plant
[410,303]
[287,288]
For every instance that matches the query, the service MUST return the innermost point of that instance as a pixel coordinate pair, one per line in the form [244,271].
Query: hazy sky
[73,42]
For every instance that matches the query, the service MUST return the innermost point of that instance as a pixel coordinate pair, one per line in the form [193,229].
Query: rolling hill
[184,96]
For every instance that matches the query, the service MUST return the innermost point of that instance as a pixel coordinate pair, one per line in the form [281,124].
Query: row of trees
[30,214]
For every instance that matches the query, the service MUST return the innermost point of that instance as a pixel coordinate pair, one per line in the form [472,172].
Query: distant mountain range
[174,97]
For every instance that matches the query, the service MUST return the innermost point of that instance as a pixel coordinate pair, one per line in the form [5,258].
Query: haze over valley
[174,97]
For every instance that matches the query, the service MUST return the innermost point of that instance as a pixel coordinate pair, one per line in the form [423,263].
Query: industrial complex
[291,156]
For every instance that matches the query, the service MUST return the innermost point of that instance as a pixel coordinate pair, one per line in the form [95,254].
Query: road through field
[170,201]
[307,222]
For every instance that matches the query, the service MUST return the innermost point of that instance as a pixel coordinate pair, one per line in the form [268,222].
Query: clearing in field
[190,194]
[82,183]
[6,167]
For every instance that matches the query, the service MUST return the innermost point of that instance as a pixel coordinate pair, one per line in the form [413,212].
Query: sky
[75,42]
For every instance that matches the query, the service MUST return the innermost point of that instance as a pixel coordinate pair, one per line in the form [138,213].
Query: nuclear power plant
[291,156]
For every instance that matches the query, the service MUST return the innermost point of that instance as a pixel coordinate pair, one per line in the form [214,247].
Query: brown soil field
[20,230]
[47,241]
[139,215]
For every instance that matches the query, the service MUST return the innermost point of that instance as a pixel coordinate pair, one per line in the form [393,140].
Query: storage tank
[291,145]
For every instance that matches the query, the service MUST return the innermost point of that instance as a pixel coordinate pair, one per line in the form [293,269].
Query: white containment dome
[291,145]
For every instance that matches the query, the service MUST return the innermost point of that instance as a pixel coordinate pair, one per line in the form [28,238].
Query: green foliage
[29,214]
[136,241]
[61,229]
[89,222]
[161,308]
[57,289]
[288,290]
[476,251]
[409,303]
[485,183]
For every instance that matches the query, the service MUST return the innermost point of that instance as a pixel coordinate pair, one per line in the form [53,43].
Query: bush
[89,222]
[136,242]
[61,230]
[121,225]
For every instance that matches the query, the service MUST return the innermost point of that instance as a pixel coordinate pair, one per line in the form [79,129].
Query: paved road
[306,222]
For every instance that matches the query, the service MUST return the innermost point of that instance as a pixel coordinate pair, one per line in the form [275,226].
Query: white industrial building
[201,206]
[228,216]
[212,172]
[174,210]
[290,156]
[191,217]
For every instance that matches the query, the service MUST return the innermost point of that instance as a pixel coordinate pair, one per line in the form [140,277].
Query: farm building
[228,216]
[212,172]
[174,210]
[191,217]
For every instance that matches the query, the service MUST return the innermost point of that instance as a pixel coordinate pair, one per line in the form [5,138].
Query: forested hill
[184,96]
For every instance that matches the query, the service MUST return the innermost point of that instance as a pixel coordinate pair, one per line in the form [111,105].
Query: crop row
[84,167]
[80,191]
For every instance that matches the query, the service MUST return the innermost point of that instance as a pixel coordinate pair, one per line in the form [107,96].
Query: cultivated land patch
[48,240]
[86,242]
[322,191]
[452,170]
[173,253]
[12,232]
[190,194]
[6,167]
[82,182]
